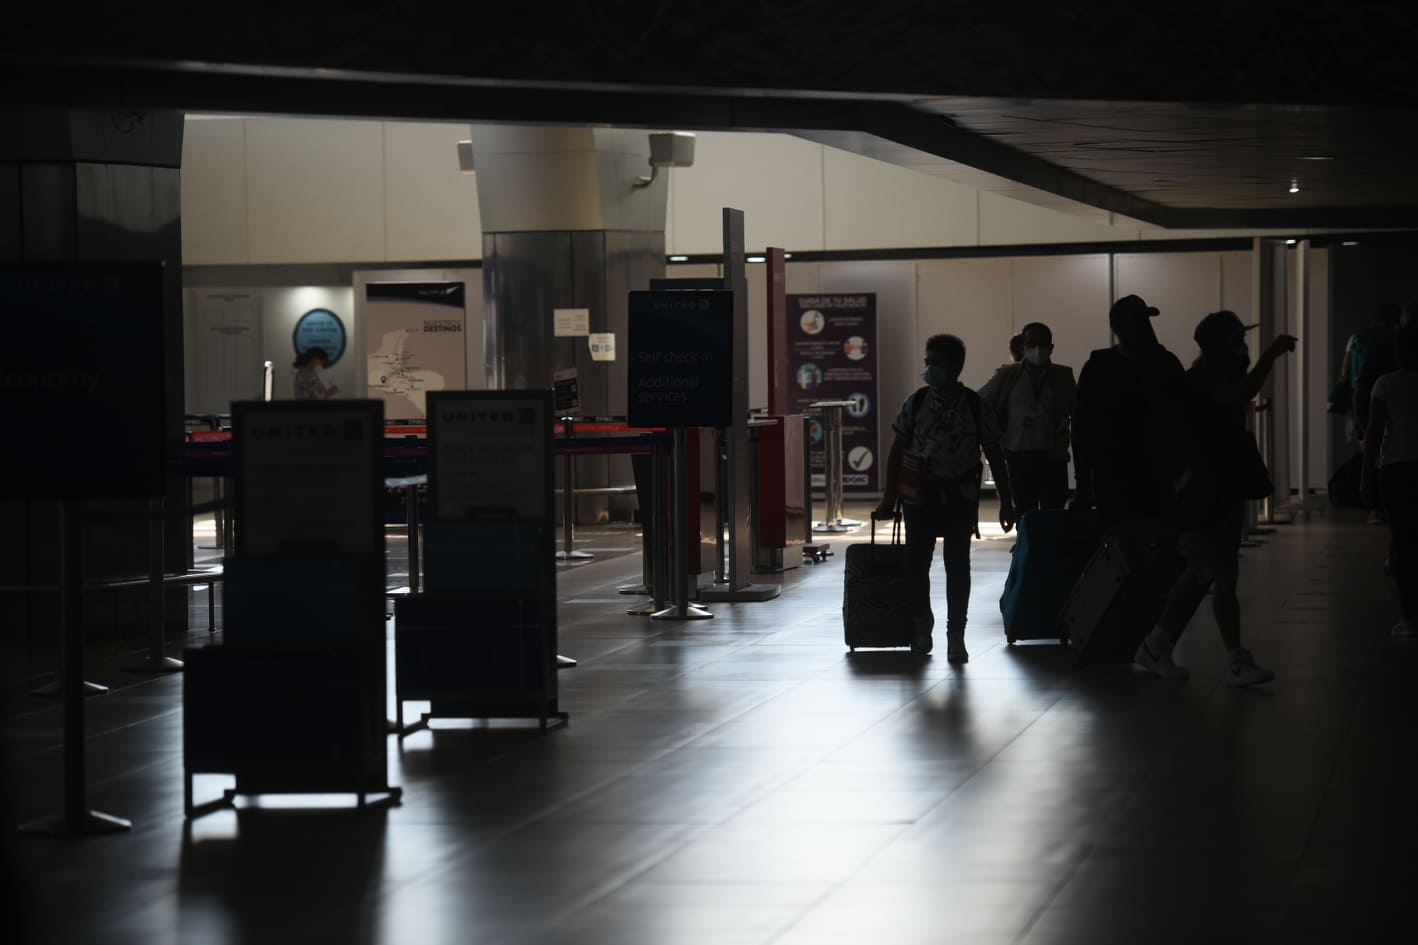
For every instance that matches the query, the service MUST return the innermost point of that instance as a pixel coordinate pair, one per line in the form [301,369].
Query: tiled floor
[744,780]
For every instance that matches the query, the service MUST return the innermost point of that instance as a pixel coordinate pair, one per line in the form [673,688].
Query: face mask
[1036,356]
[935,376]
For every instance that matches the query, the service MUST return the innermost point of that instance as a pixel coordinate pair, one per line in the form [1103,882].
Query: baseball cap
[1128,308]
[1218,327]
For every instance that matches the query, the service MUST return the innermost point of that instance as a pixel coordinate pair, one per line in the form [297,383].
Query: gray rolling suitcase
[1121,593]
[876,594]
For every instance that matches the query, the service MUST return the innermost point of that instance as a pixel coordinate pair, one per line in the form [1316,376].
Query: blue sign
[320,328]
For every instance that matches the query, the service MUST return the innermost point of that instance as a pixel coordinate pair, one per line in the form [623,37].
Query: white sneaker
[1243,671]
[1405,629]
[1158,662]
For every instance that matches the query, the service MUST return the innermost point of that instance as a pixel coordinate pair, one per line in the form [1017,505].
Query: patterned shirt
[943,432]
[309,386]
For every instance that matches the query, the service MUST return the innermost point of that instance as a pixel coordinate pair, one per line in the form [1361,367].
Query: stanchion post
[75,818]
[157,660]
[656,571]
[681,608]
[411,522]
[568,550]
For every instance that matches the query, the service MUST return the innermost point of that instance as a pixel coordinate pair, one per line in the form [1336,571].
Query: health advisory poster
[832,356]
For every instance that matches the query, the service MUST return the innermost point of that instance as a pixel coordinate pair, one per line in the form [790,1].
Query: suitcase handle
[896,528]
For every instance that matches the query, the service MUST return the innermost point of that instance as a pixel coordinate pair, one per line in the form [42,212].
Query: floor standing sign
[481,640]
[414,341]
[293,701]
[832,356]
[83,343]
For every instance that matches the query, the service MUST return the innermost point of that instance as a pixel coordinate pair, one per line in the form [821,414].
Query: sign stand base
[90,823]
[749,592]
[682,612]
[156,664]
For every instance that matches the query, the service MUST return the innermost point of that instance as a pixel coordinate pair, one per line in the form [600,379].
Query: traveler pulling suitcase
[1051,551]
[1120,596]
[876,594]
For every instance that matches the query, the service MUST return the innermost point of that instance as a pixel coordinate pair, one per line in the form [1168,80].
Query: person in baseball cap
[1221,328]
[1130,318]
[1212,494]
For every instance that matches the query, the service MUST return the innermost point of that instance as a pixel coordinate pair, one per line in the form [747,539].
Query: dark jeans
[1398,484]
[1036,481]
[955,523]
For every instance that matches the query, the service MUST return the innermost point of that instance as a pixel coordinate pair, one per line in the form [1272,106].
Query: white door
[229,336]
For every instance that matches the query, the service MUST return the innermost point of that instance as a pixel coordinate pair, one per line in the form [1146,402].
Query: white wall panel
[315,190]
[214,193]
[971,298]
[1005,221]
[1070,295]
[775,179]
[1185,287]
[1237,281]
[870,204]
[432,205]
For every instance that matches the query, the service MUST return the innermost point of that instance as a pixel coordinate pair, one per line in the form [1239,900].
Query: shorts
[1214,551]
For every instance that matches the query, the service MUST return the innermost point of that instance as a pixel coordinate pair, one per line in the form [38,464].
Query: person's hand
[1283,344]
[1007,516]
[886,510]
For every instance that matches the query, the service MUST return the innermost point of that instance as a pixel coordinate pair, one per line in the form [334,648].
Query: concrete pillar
[566,225]
[95,186]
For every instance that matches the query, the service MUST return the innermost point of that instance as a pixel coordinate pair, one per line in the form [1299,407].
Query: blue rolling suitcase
[1050,554]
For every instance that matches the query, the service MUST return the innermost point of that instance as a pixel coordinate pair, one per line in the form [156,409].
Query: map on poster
[414,343]
[832,356]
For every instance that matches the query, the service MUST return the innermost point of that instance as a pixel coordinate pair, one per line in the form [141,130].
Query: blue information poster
[832,356]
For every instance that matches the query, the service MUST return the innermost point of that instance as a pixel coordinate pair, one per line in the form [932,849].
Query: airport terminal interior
[494,646]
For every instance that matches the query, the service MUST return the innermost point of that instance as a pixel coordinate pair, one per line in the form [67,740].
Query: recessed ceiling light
[756,259]
[1294,187]
[1289,242]
[787,255]
[1351,242]
[679,259]
[1317,157]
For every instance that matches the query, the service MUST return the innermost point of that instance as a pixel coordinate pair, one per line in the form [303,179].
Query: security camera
[668,149]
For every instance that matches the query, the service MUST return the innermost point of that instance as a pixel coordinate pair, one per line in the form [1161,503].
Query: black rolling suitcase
[876,594]
[1122,591]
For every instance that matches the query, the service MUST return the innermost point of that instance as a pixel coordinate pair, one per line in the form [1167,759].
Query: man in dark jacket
[1127,421]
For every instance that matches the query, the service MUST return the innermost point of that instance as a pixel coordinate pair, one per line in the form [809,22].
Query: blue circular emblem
[320,328]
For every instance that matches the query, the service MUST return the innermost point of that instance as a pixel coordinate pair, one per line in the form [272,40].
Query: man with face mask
[942,428]
[1127,419]
[1212,513]
[1033,401]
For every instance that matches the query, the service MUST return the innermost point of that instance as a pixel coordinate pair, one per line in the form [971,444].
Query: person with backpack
[1391,470]
[1033,402]
[934,471]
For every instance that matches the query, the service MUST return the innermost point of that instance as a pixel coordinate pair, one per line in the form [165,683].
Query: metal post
[568,550]
[411,522]
[1302,348]
[75,819]
[657,569]
[218,513]
[157,660]
[722,512]
[831,469]
[681,608]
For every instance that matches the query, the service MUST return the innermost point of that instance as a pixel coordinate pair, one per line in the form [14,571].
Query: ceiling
[1166,164]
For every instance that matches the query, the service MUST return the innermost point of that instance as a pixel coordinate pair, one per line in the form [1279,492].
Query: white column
[1300,362]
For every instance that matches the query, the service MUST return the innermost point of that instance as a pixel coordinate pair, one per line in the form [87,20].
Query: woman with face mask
[1033,401]
[1213,493]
